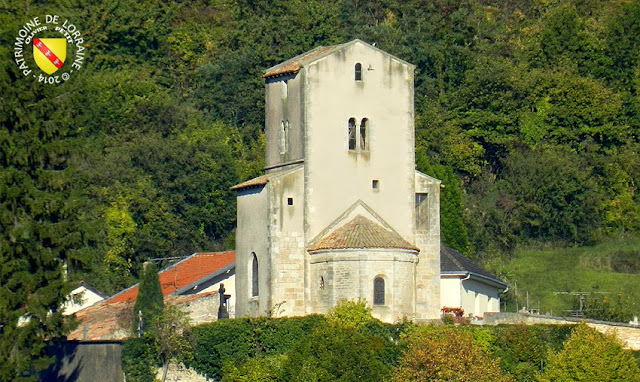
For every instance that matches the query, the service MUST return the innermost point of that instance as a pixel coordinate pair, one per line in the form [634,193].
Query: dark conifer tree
[150,302]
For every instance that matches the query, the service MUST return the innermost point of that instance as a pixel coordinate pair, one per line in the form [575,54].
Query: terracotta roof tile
[183,273]
[362,233]
[259,181]
[293,65]
[111,321]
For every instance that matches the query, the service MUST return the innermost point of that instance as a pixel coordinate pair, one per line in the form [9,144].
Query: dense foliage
[139,360]
[316,348]
[528,110]
[446,354]
[589,355]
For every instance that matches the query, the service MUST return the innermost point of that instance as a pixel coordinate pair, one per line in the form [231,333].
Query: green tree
[522,351]
[45,226]
[172,340]
[149,302]
[445,354]
[454,232]
[589,355]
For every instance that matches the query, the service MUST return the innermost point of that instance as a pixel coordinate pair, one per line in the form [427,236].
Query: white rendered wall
[86,296]
[252,236]
[337,177]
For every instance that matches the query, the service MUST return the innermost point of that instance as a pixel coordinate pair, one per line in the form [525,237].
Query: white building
[82,296]
[464,284]
[341,211]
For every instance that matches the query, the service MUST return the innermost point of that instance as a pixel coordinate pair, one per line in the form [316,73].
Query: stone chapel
[341,211]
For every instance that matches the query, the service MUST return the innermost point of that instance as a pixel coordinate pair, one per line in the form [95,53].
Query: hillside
[606,275]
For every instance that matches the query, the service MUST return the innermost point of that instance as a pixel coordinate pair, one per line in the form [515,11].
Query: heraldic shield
[49,53]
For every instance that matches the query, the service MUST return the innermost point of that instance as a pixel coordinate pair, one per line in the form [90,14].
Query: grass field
[550,276]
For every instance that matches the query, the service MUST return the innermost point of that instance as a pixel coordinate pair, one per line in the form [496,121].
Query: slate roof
[361,232]
[453,262]
[186,272]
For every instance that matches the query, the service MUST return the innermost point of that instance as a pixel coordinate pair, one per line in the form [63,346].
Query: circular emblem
[50,49]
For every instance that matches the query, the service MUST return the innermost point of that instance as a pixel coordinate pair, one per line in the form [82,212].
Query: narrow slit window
[378,291]
[352,133]
[358,70]
[422,212]
[255,282]
[375,184]
[284,126]
[364,127]
[290,201]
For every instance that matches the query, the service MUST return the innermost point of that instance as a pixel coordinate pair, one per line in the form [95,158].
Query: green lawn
[610,270]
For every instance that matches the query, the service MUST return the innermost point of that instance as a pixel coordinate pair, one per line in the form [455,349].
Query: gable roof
[111,321]
[194,269]
[294,64]
[361,232]
[88,287]
[454,263]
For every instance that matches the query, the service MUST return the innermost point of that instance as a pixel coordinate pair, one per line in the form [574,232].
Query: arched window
[255,280]
[352,133]
[378,291]
[358,71]
[364,126]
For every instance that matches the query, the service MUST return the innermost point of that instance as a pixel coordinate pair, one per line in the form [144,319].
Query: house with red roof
[192,283]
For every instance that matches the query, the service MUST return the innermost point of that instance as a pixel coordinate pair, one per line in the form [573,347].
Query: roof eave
[320,250]
[487,280]
[204,279]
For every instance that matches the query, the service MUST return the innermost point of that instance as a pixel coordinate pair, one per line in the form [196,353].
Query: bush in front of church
[446,353]
[336,353]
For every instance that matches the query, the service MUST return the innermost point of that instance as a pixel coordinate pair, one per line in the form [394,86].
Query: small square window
[290,201]
[375,184]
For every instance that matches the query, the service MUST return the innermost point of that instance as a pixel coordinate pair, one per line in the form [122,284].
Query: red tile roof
[362,233]
[293,65]
[258,181]
[183,273]
[112,321]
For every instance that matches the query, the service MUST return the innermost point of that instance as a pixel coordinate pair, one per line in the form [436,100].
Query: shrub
[220,342]
[589,355]
[231,345]
[280,335]
[139,360]
[350,314]
[261,369]
[445,354]
[336,353]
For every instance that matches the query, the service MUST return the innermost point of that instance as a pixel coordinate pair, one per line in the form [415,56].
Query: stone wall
[178,372]
[628,334]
